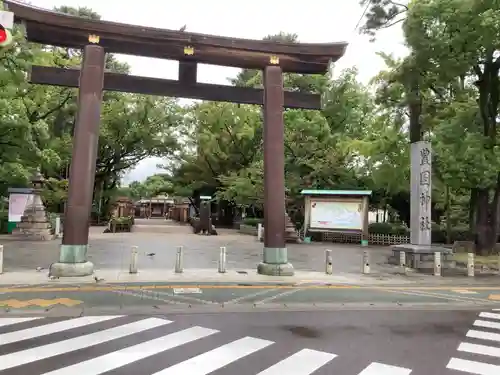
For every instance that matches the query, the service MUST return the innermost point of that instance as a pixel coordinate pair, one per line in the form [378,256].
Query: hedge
[252,221]
[4,222]
[438,234]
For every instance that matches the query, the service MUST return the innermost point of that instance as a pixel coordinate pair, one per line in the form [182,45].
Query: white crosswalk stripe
[43,341]
[483,354]
[489,315]
[381,369]
[134,353]
[8,321]
[303,362]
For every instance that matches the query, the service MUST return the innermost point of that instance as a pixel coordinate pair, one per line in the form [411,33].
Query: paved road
[163,297]
[263,343]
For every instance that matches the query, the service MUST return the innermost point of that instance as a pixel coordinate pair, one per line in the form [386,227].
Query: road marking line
[486,324]
[251,295]
[187,291]
[120,358]
[51,350]
[478,368]
[47,329]
[8,321]
[304,362]
[376,368]
[489,315]
[463,291]
[458,298]
[421,294]
[272,298]
[173,296]
[212,360]
[117,286]
[479,349]
[483,335]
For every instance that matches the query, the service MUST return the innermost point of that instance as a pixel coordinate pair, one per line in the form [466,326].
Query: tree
[462,39]
[382,14]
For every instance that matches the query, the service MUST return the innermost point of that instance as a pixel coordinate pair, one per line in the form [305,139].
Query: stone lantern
[37,181]
[291,234]
[34,223]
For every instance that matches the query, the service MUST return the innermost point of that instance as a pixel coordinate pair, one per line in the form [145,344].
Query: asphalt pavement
[366,342]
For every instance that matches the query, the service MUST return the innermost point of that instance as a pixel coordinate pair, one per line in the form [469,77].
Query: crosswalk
[92,345]
[480,354]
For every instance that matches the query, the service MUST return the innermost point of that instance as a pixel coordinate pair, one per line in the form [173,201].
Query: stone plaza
[112,250]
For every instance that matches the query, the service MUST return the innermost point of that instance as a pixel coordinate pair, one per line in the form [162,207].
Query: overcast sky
[312,20]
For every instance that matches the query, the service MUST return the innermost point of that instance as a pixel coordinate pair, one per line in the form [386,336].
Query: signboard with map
[336,215]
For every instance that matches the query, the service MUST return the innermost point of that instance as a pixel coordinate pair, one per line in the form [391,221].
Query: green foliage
[36,124]
[252,221]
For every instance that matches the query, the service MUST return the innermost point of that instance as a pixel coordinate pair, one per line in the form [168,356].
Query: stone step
[162,229]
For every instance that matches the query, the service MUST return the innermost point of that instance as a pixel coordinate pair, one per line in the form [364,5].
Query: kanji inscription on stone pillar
[421,190]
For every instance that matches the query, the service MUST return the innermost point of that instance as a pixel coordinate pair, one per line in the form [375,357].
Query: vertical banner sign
[421,190]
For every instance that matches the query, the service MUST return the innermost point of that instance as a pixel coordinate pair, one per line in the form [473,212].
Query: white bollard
[259,232]
[437,263]
[222,260]
[328,262]
[178,260]
[366,262]
[58,227]
[1,259]
[134,258]
[402,262]
[470,265]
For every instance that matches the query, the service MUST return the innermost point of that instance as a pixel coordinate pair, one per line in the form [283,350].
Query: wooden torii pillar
[73,259]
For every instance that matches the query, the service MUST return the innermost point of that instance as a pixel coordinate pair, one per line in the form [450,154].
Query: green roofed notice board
[337,211]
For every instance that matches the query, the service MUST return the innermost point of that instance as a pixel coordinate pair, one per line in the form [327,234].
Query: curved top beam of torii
[53,28]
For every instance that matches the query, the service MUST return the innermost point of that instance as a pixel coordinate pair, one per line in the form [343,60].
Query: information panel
[17,205]
[336,215]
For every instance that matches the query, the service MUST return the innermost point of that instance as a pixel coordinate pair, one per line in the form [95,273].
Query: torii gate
[97,37]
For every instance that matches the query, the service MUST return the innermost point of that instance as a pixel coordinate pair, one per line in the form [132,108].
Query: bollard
[1,259]
[222,260]
[437,263]
[328,262]
[259,232]
[134,257]
[470,265]
[178,260]
[58,227]
[366,262]
[402,261]
[498,263]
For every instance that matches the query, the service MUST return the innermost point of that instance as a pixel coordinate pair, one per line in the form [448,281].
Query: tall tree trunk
[473,212]
[448,213]
[482,221]
[487,219]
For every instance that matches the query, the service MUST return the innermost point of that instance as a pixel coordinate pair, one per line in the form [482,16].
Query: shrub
[121,224]
[4,222]
[252,221]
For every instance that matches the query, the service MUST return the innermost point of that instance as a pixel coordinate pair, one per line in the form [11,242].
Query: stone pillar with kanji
[421,191]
